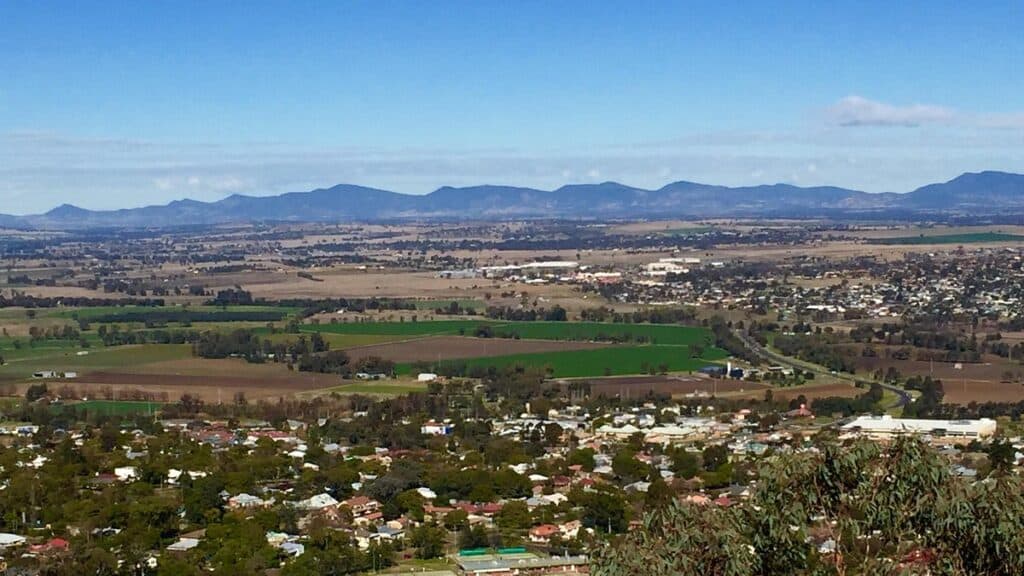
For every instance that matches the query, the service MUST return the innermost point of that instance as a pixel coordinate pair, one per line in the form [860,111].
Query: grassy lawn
[66,359]
[415,565]
[966,238]
[614,361]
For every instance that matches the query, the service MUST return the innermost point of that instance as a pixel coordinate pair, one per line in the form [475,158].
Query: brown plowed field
[981,391]
[209,388]
[452,347]
[978,382]
[945,371]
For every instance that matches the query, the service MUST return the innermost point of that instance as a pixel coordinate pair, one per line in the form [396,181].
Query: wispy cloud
[44,169]
[860,111]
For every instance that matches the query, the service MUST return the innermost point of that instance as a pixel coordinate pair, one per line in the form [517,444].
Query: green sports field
[613,361]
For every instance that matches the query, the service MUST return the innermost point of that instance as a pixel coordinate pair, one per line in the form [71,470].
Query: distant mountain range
[971,194]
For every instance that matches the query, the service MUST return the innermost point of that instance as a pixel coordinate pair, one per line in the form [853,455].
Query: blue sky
[112,104]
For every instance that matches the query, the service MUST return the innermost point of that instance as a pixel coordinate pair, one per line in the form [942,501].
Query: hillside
[969,194]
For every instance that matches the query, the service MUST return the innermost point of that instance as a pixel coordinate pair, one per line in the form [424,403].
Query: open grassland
[964,238]
[66,359]
[612,361]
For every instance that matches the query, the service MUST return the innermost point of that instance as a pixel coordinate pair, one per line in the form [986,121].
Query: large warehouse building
[887,427]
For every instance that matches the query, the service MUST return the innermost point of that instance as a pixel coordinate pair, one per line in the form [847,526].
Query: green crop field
[22,363]
[425,328]
[110,407]
[614,361]
[966,238]
[668,334]
[586,331]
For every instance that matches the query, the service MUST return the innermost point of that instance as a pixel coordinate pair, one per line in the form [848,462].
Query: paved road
[903,397]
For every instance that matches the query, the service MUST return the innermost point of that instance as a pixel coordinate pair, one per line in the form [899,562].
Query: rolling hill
[968,194]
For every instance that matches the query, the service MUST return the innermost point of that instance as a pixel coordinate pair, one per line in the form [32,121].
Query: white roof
[921,426]
[11,539]
[317,502]
[183,544]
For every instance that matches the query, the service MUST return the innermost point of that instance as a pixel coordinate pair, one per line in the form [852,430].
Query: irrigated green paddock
[29,360]
[613,361]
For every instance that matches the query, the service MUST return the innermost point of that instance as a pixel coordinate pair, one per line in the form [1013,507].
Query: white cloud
[860,111]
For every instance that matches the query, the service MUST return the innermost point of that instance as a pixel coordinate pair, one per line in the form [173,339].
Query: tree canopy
[855,509]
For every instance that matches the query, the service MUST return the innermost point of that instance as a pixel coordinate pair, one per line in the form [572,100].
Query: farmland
[435,348]
[383,388]
[612,361]
[426,328]
[665,334]
[964,238]
[173,313]
[23,363]
[110,407]
[162,371]
[567,349]
[638,386]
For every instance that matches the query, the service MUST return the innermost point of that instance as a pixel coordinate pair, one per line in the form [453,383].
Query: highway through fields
[903,397]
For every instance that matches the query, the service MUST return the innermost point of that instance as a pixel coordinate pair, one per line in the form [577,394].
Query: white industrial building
[888,427]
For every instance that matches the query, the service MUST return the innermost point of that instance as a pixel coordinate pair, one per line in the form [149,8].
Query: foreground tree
[841,510]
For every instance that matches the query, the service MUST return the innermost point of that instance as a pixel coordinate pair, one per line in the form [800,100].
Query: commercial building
[888,427]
